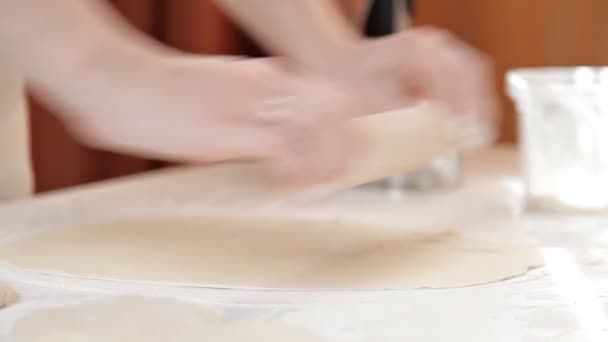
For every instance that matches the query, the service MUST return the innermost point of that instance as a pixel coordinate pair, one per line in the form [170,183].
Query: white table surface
[566,301]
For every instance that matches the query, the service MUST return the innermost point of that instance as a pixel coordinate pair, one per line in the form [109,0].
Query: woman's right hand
[197,109]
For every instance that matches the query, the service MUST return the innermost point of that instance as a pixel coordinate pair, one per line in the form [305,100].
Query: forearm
[305,30]
[60,45]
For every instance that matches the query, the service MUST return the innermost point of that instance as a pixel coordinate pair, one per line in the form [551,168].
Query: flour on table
[138,319]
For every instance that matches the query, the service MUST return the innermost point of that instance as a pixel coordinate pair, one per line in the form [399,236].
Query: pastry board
[566,300]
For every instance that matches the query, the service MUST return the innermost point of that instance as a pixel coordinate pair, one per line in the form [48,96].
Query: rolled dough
[242,252]
[135,319]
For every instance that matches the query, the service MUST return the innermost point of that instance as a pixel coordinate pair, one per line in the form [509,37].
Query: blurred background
[515,33]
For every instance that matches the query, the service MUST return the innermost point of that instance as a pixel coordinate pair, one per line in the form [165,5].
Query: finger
[437,78]
[477,89]
[312,153]
[424,72]
[473,68]
[221,143]
[312,161]
[453,71]
[324,101]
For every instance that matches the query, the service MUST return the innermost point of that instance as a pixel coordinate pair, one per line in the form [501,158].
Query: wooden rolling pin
[405,140]
[396,142]
[8,296]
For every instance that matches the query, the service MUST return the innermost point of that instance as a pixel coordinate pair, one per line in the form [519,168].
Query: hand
[415,65]
[211,109]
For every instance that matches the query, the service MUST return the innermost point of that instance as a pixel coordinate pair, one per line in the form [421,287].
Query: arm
[119,90]
[67,46]
[420,64]
[305,30]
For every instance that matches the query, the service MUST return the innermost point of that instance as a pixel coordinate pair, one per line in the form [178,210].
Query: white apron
[15,170]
